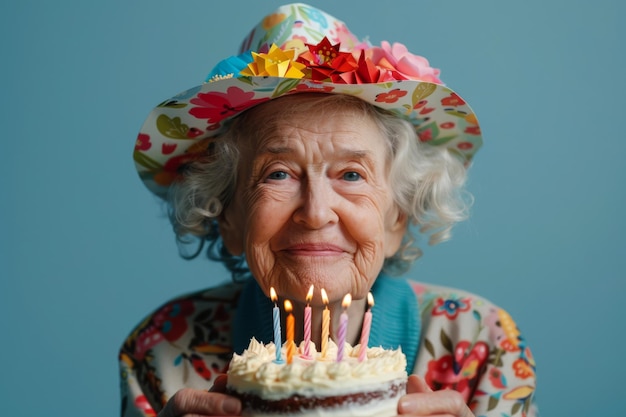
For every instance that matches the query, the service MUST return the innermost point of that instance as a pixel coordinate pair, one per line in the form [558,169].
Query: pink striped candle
[367,324]
[307,325]
[343,327]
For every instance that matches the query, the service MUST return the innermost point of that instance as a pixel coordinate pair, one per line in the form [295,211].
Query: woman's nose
[316,208]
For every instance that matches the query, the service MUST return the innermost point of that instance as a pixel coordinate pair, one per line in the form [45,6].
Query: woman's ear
[231,231]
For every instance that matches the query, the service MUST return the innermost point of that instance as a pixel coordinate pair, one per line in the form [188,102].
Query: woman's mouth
[314,249]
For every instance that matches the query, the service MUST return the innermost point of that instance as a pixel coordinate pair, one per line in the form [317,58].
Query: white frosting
[255,372]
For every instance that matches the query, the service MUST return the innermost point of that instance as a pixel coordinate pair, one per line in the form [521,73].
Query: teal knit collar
[395,315]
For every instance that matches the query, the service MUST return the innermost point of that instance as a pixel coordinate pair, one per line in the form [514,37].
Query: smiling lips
[315,249]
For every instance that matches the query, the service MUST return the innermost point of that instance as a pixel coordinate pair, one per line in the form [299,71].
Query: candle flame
[324,296]
[288,306]
[370,299]
[309,295]
[273,295]
[346,301]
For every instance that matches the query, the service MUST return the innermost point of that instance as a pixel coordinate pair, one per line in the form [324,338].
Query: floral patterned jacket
[455,339]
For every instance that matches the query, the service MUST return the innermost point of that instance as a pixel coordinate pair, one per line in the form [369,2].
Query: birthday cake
[320,385]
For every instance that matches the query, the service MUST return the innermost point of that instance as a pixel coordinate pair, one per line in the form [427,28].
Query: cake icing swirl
[255,372]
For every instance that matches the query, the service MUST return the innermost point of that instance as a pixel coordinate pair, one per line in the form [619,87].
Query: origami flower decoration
[274,63]
[327,62]
[397,59]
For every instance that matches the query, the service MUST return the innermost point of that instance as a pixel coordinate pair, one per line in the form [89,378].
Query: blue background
[85,251]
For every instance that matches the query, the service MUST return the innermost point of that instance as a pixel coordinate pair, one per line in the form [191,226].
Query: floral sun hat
[299,49]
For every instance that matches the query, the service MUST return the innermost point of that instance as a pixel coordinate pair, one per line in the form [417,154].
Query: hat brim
[176,131]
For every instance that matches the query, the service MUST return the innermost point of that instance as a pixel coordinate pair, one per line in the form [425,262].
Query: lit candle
[277,335]
[291,346]
[325,324]
[343,327]
[307,325]
[367,324]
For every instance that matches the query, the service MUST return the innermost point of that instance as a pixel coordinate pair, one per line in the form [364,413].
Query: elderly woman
[304,161]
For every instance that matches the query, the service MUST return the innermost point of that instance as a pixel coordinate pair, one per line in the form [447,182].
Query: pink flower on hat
[397,58]
[217,106]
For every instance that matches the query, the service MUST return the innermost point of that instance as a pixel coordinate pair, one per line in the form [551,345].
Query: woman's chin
[336,284]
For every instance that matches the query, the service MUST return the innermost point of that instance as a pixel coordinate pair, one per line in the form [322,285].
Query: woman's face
[313,204]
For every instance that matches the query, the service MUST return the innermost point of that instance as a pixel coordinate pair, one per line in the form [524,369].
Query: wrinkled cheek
[369,259]
[260,261]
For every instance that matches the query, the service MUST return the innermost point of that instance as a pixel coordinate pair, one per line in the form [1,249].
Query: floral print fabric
[471,346]
[467,344]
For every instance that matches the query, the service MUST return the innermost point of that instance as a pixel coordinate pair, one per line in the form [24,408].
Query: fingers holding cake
[421,400]
[189,402]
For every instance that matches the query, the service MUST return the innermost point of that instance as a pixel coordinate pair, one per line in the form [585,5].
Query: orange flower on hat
[272,20]
[274,63]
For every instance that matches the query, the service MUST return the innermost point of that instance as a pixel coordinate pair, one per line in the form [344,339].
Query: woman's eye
[351,176]
[277,175]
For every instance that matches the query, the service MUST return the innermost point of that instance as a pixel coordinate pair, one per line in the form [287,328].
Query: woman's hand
[420,400]
[190,402]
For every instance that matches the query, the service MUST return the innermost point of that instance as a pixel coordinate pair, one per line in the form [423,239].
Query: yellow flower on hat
[274,63]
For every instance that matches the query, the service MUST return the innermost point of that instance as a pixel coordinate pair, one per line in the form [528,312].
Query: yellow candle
[325,324]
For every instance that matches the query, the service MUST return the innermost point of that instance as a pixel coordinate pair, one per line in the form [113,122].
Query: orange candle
[291,346]
[325,324]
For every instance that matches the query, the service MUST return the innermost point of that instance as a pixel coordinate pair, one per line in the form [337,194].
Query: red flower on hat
[325,62]
[143,142]
[452,100]
[216,106]
[473,130]
[171,169]
[420,104]
[168,148]
[390,97]
[425,135]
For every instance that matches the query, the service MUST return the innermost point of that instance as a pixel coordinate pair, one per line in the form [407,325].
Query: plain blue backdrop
[85,251]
